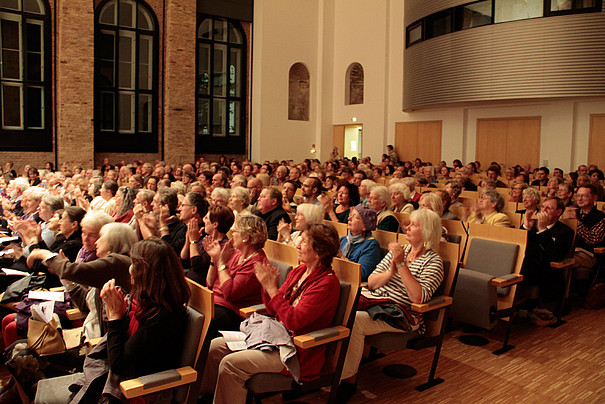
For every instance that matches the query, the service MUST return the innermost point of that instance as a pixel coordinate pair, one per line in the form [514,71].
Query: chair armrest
[75,314]
[165,380]
[246,312]
[93,342]
[321,337]
[599,250]
[565,263]
[363,284]
[433,304]
[507,280]
[57,289]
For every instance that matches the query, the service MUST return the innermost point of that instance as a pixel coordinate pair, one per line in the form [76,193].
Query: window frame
[117,140]
[25,137]
[227,143]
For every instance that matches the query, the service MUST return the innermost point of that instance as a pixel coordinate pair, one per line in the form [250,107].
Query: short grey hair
[401,187]
[494,197]
[383,194]
[96,218]
[311,212]
[241,194]
[35,193]
[120,237]
[221,193]
[53,202]
[534,193]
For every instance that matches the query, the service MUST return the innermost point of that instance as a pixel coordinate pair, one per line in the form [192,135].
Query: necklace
[242,259]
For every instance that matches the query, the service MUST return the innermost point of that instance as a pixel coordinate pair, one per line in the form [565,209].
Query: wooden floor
[563,365]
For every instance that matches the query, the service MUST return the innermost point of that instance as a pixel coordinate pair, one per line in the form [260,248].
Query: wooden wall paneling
[429,141]
[338,139]
[491,140]
[596,142]
[406,140]
[524,141]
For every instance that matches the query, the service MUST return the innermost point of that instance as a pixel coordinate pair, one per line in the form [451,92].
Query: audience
[170,201]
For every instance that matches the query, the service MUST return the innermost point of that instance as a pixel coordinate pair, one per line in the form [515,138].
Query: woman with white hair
[380,201]
[220,196]
[407,274]
[239,201]
[305,213]
[400,197]
[364,190]
[113,261]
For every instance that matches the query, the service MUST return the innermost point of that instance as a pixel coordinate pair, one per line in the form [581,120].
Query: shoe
[346,390]
[541,317]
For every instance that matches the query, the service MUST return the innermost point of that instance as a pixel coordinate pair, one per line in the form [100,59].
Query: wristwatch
[401,264]
[222,267]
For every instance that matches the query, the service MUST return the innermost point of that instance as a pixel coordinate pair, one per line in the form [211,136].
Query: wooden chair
[341,228]
[488,279]
[349,274]
[434,313]
[384,238]
[281,252]
[457,228]
[187,379]
[515,219]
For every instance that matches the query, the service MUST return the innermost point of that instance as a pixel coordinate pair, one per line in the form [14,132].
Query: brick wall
[179,76]
[74,82]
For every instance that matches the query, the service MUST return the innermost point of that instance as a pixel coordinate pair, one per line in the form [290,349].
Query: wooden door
[596,142]
[508,141]
[419,140]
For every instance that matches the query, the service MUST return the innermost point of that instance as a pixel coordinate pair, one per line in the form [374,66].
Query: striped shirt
[427,269]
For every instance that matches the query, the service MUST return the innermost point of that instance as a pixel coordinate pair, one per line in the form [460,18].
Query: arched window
[298,94]
[354,87]
[126,78]
[25,94]
[220,89]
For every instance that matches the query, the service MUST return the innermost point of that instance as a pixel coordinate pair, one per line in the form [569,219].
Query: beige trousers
[226,372]
[364,325]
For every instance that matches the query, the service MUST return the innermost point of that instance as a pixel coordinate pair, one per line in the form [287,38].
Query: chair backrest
[492,257]
[284,270]
[450,254]
[573,224]
[402,218]
[384,238]
[200,312]
[341,228]
[281,252]
[349,274]
[504,235]
[456,227]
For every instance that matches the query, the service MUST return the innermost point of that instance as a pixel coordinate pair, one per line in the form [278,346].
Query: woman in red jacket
[305,302]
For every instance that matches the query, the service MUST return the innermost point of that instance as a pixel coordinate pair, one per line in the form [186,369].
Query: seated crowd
[121,240]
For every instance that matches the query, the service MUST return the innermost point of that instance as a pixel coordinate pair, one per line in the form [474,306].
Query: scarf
[351,242]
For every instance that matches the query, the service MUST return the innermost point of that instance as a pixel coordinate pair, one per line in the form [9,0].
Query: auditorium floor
[563,365]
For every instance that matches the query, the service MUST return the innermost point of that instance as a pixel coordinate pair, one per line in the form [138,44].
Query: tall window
[298,93]
[25,76]
[220,86]
[125,78]
[354,88]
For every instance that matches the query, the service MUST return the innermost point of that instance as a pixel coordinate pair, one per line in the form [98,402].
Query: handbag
[45,338]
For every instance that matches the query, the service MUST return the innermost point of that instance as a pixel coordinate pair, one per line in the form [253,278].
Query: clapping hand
[268,276]
[115,302]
